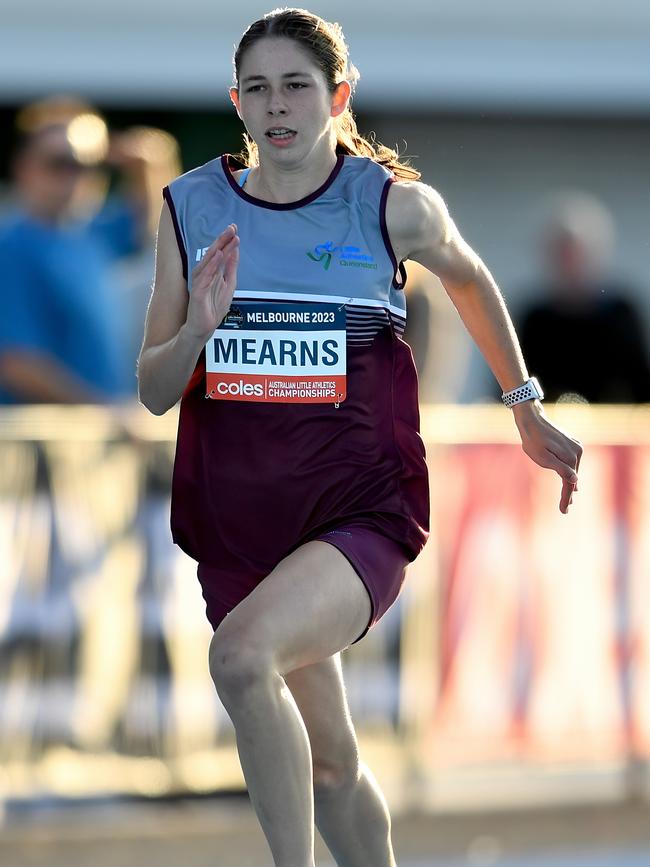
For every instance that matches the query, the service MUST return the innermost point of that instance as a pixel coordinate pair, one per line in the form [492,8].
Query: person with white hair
[599,350]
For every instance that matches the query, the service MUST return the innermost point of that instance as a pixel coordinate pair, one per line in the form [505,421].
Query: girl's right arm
[179,324]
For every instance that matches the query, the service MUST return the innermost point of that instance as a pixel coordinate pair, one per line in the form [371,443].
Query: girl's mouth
[281,135]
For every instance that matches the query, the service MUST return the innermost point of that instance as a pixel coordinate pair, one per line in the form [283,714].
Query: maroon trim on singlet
[167,196]
[226,160]
[384,234]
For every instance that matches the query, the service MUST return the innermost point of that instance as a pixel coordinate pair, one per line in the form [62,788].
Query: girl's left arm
[420,228]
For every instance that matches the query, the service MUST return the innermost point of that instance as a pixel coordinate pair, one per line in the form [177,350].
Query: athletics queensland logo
[346,256]
[279,353]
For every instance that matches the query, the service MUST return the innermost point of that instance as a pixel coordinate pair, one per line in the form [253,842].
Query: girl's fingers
[207,275]
[231,245]
[564,469]
[569,482]
[579,450]
[557,451]
[221,240]
[217,246]
[568,470]
[566,496]
[216,268]
[232,261]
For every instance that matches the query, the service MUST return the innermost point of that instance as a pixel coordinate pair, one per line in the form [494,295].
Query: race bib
[278,353]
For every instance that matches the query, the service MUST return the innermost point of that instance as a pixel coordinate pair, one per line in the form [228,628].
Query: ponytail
[350,141]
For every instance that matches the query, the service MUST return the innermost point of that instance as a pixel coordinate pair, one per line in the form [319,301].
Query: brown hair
[326,44]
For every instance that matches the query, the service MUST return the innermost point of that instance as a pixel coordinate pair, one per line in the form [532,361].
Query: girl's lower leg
[354,822]
[276,761]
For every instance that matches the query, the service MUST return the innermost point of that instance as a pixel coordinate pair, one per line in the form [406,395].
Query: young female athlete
[300,485]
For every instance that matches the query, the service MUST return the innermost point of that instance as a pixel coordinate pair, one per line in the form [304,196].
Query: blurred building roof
[578,56]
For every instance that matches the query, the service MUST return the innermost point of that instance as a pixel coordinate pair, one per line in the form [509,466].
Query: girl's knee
[332,778]
[237,665]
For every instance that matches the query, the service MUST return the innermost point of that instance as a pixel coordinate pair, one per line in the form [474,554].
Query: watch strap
[530,390]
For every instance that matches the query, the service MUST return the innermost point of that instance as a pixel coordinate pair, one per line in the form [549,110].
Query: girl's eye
[296,85]
[253,88]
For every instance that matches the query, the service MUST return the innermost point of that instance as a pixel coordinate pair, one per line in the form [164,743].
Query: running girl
[300,483]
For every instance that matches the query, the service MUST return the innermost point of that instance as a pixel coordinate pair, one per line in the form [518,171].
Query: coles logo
[239,389]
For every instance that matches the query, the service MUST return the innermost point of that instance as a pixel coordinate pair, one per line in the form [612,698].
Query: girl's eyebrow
[285,75]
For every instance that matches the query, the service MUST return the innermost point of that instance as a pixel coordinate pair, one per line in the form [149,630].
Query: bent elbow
[150,400]
[155,407]
[156,410]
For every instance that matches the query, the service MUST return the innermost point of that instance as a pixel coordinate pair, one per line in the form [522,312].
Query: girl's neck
[282,184]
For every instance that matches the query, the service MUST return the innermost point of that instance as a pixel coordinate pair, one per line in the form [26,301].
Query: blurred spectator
[70,329]
[584,338]
[149,158]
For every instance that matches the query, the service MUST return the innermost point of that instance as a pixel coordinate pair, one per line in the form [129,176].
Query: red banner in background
[544,617]
[638,657]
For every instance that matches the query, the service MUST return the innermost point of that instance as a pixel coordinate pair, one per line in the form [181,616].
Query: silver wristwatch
[530,390]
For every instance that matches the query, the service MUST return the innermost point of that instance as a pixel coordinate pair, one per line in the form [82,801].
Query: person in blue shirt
[64,326]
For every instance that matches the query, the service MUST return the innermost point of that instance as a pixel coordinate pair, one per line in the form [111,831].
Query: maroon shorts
[379,562]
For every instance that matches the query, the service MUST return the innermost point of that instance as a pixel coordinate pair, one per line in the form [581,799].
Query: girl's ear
[234,98]
[340,98]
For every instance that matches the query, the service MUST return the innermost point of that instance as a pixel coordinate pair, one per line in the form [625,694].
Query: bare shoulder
[420,228]
[416,216]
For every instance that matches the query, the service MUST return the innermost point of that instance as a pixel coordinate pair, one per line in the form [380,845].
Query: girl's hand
[213,285]
[549,447]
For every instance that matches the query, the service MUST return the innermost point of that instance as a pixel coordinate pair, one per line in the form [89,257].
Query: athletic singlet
[302,413]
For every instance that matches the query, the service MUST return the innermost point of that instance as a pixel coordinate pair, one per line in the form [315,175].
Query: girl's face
[284,101]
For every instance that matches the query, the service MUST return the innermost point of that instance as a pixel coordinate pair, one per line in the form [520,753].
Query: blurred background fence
[520,645]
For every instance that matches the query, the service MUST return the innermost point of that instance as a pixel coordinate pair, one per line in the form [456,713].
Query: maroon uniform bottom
[379,562]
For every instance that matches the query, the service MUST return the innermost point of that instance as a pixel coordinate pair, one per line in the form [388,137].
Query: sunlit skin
[281,86]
